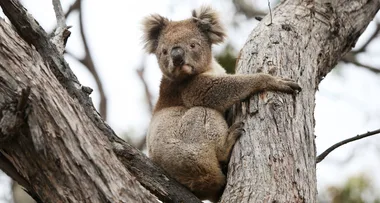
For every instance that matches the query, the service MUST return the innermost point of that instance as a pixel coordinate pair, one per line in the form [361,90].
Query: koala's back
[184,141]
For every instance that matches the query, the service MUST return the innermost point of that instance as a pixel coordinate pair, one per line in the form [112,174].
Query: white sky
[347,104]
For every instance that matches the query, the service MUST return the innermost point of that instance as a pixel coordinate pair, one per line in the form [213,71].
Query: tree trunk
[275,160]
[52,141]
[60,152]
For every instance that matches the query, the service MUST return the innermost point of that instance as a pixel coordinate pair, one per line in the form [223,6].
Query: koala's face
[183,48]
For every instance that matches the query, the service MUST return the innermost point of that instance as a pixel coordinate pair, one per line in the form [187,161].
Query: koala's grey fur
[188,135]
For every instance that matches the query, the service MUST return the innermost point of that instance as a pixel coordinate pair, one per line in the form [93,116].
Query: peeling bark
[275,160]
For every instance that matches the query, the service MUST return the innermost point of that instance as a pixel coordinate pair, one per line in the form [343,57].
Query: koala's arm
[221,92]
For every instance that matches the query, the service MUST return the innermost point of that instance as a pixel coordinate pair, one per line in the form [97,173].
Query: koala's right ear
[153,26]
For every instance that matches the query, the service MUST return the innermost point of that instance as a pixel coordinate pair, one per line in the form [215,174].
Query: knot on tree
[13,116]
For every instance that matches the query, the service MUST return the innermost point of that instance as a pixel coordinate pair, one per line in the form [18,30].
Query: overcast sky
[347,103]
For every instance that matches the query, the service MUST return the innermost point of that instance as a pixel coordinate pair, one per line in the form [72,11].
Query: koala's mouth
[185,68]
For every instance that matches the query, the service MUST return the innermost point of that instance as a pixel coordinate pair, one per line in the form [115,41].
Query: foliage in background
[356,189]
[227,58]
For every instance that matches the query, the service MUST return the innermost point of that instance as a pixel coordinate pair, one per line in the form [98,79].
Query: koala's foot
[287,85]
[225,147]
[235,131]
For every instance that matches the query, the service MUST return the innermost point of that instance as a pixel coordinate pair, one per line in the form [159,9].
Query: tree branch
[247,9]
[140,72]
[73,7]
[61,33]
[60,16]
[373,36]
[88,62]
[351,58]
[357,137]
[136,163]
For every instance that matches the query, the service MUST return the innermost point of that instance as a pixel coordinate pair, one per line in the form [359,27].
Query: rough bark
[62,154]
[275,160]
[52,141]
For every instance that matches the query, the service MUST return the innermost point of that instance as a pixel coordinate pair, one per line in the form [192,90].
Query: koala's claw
[289,86]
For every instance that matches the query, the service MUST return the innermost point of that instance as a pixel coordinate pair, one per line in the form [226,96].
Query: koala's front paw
[287,86]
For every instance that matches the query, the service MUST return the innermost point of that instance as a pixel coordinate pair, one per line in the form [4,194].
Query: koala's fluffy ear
[208,21]
[152,27]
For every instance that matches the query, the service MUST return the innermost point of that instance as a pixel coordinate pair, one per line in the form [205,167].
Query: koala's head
[183,48]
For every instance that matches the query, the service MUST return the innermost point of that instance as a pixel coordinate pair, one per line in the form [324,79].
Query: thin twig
[61,33]
[140,72]
[148,95]
[270,13]
[357,137]
[61,22]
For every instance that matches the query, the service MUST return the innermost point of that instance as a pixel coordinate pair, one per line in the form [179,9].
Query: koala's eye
[164,51]
[192,45]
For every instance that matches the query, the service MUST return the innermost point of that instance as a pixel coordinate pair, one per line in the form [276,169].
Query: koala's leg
[226,143]
[211,187]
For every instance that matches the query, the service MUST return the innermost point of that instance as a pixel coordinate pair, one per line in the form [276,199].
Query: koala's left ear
[208,21]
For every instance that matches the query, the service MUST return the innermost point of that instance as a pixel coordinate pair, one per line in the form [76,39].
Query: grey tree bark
[275,160]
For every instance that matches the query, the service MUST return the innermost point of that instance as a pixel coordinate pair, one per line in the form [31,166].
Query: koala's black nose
[177,55]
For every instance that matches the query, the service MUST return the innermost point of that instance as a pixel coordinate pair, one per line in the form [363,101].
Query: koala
[188,135]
